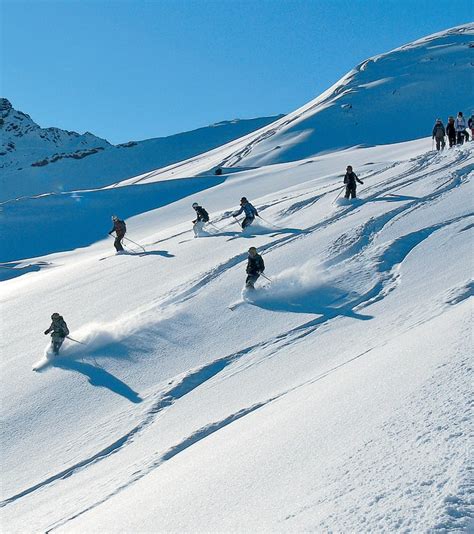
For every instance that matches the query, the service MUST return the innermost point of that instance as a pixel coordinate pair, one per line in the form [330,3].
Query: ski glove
[46,332]
[362,182]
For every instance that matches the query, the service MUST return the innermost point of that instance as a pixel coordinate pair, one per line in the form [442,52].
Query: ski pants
[247,222]
[198,226]
[251,279]
[440,143]
[350,192]
[460,138]
[118,242]
[452,141]
[56,343]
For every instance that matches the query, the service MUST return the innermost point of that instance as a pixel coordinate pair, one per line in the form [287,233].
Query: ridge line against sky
[139,69]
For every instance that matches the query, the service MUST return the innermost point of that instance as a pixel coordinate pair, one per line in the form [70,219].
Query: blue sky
[135,69]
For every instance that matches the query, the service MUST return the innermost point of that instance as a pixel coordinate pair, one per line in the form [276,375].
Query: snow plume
[98,335]
[304,289]
[94,336]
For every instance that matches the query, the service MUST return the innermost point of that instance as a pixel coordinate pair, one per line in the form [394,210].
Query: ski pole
[238,222]
[339,194]
[75,340]
[269,279]
[138,245]
[268,222]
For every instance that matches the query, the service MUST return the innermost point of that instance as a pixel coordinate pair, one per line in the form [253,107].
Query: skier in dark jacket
[201,219]
[250,212]
[59,331]
[451,132]
[120,229]
[255,266]
[439,133]
[470,125]
[350,180]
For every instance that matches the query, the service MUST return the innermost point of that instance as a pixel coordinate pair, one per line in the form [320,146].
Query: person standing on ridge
[451,132]
[350,179]
[250,212]
[460,125]
[59,331]
[255,267]
[439,133]
[120,229]
[201,220]
[470,125]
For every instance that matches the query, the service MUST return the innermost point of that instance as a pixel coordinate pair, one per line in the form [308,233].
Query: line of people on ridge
[456,131]
[255,264]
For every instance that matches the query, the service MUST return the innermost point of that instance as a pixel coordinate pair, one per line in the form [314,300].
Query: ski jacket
[249,210]
[202,214]
[255,265]
[450,129]
[438,130]
[470,123]
[120,228]
[460,124]
[350,179]
[58,328]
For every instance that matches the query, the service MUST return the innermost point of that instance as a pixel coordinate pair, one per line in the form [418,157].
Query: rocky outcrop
[25,143]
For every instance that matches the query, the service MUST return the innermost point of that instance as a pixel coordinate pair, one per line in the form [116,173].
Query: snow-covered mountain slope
[334,398]
[35,160]
[24,143]
[388,98]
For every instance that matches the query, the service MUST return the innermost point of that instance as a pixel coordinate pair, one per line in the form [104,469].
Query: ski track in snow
[389,257]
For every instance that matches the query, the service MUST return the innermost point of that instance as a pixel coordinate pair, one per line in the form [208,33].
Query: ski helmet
[114,217]
[349,168]
[195,204]
[252,251]
[243,199]
[55,316]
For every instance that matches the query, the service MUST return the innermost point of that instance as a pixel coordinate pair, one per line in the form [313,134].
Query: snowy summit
[333,396]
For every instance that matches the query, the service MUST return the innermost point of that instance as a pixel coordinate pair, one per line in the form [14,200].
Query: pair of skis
[243,301]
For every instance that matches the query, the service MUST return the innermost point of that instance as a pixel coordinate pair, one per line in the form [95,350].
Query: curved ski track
[350,247]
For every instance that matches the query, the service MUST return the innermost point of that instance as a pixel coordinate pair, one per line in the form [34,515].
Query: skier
[201,220]
[451,132]
[59,331]
[350,180]
[250,212]
[460,125]
[218,171]
[470,125]
[439,133]
[255,266]
[120,230]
